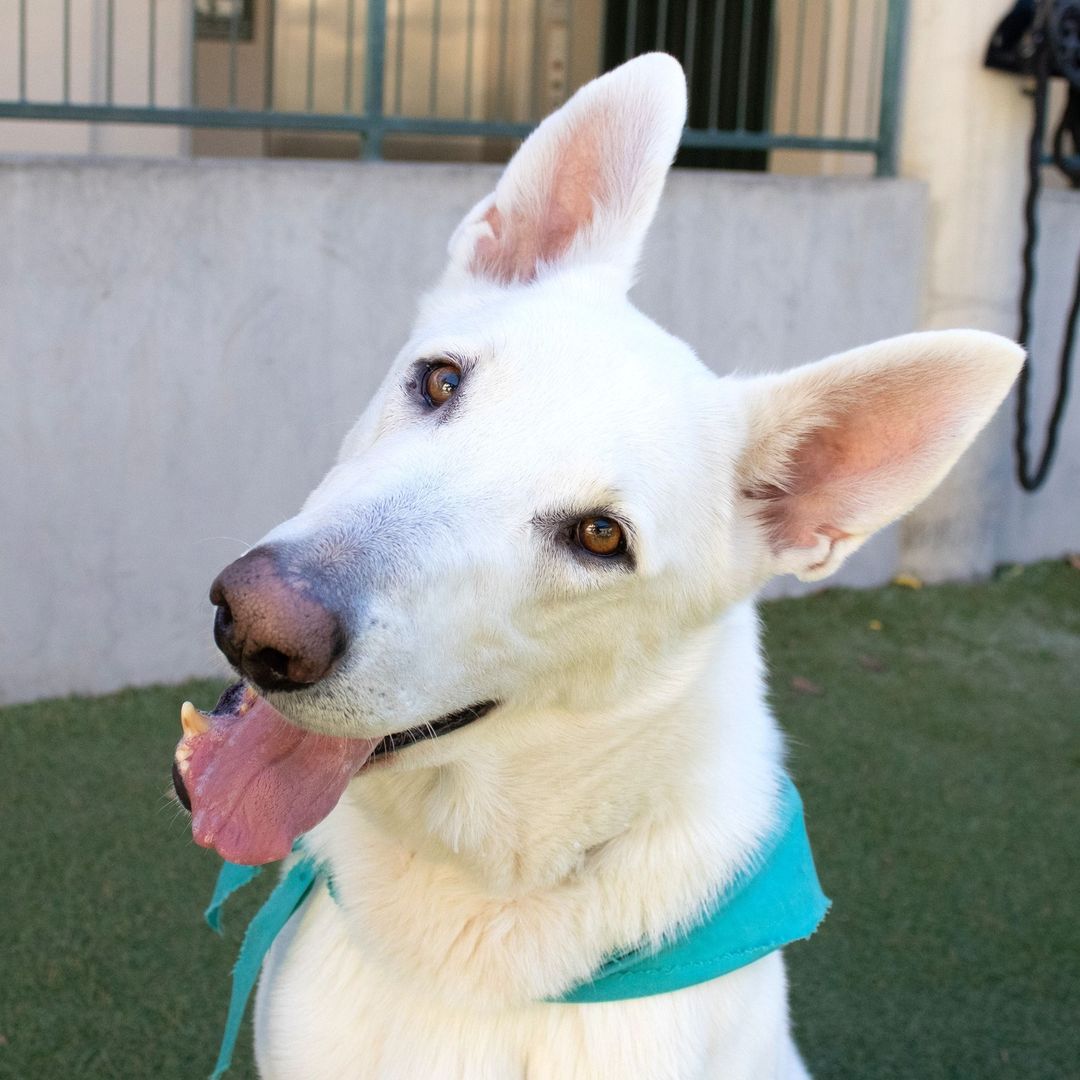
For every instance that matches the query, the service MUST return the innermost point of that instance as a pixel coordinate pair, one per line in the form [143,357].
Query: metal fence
[764,75]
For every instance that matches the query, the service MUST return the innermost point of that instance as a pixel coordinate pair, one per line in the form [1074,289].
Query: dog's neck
[543,794]
[562,837]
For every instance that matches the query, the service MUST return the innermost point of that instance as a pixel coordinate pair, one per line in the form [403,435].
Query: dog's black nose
[271,626]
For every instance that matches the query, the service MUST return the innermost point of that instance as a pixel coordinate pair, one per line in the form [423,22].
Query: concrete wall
[183,344]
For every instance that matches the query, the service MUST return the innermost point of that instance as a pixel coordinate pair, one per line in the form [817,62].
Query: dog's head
[550,499]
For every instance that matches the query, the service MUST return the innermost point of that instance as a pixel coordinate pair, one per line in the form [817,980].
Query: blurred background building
[443,79]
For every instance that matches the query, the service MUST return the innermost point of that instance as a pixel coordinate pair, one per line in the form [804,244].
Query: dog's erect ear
[840,448]
[584,186]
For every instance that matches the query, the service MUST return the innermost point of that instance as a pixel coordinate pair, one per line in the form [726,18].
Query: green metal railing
[765,75]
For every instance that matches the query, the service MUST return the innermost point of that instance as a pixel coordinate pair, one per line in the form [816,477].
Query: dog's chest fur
[324,1013]
[465,896]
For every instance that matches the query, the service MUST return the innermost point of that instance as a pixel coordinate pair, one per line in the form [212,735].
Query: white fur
[632,765]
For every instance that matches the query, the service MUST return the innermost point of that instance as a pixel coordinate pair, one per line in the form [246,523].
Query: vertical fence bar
[601,39]
[631,28]
[569,48]
[873,89]
[350,34]
[849,67]
[309,96]
[433,76]
[151,56]
[891,77]
[22,50]
[234,37]
[375,59]
[67,51]
[823,71]
[691,41]
[741,101]
[110,31]
[194,57]
[796,78]
[470,34]
[538,64]
[719,21]
[504,39]
[271,30]
[399,56]
[772,47]
[661,25]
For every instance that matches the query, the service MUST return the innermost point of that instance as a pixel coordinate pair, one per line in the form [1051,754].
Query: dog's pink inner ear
[860,459]
[546,210]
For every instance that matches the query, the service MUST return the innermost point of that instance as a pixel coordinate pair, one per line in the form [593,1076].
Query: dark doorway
[736,32]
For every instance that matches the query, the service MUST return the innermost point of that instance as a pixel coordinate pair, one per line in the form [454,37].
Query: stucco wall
[183,344]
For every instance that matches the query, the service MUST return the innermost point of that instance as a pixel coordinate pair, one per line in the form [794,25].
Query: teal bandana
[776,900]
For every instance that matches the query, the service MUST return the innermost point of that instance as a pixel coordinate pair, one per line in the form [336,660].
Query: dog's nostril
[273,660]
[225,633]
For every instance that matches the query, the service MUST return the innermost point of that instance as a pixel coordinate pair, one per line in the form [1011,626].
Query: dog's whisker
[245,544]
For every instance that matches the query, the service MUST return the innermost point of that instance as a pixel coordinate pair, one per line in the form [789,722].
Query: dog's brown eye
[601,536]
[440,382]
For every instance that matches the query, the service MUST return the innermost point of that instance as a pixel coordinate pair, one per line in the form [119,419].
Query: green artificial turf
[938,756]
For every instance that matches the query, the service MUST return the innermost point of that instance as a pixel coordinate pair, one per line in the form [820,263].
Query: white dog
[541,544]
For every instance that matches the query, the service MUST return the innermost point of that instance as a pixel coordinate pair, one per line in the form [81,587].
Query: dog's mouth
[443,726]
[253,782]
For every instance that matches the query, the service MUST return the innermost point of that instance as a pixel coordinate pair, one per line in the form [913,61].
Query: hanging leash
[1042,40]
[1029,479]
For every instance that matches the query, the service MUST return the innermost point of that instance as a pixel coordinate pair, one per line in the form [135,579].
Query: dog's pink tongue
[256,783]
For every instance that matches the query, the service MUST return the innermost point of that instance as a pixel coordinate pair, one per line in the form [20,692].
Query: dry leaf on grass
[871,663]
[805,686]
[908,581]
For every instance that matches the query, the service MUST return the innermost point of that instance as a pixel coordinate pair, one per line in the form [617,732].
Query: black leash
[1032,480]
